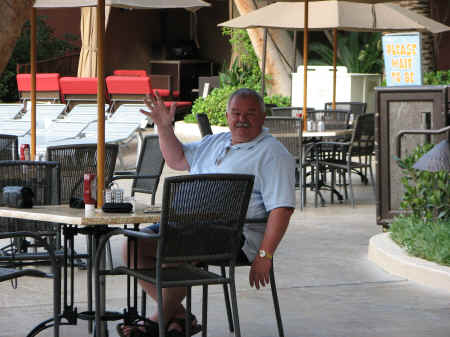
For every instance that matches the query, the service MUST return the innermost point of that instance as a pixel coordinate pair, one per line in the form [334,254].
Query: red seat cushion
[180,104]
[132,85]
[44,82]
[78,85]
[128,72]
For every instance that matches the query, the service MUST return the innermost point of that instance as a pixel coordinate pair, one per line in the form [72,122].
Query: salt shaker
[321,125]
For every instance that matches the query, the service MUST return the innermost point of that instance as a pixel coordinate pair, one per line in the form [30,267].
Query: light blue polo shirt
[265,158]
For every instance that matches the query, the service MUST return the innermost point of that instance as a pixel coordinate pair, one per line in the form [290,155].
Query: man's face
[245,119]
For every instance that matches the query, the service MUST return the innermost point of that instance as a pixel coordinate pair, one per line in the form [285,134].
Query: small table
[96,220]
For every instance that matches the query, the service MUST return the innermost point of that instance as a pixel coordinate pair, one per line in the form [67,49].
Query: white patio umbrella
[356,15]
[100,4]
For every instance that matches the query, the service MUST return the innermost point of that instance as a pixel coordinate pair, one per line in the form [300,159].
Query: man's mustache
[242,125]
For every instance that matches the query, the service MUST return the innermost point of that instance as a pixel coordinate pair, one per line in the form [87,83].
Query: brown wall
[63,21]
[440,11]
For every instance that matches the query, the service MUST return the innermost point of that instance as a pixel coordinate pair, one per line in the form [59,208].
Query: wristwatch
[264,254]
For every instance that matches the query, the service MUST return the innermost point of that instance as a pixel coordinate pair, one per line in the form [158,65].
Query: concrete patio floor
[326,284]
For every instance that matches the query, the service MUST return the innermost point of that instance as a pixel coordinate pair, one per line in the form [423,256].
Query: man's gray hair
[245,92]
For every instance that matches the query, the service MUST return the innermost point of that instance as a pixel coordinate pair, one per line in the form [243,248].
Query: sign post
[402,59]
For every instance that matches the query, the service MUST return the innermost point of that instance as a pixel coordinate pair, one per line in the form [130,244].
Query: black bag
[18,196]
[119,207]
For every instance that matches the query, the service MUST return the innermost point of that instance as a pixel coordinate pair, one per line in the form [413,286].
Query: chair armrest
[124,173]
[134,176]
[139,234]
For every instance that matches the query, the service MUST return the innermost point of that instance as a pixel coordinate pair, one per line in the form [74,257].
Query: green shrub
[436,77]
[424,230]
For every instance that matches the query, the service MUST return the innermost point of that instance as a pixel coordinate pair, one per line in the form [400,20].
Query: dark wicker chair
[354,108]
[289,111]
[273,288]
[149,168]
[288,130]
[12,273]
[193,230]
[203,124]
[9,147]
[44,180]
[361,144]
[75,161]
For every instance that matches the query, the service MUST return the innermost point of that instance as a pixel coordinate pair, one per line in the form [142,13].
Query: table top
[73,216]
[327,133]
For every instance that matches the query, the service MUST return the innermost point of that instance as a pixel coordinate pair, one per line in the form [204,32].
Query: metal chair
[361,144]
[288,131]
[9,147]
[193,231]
[355,108]
[289,111]
[149,168]
[43,179]
[203,124]
[273,288]
[11,273]
[76,160]
[32,243]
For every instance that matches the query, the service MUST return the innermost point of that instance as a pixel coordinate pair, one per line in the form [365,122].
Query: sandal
[147,328]
[181,321]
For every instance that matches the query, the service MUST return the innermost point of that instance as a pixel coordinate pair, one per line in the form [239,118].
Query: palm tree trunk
[423,7]
[280,51]
[14,15]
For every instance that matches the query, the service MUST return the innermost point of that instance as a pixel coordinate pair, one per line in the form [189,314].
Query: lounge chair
[133,89]
[45,113]
[78,90]
[47,87]
[10,111]
[83,113]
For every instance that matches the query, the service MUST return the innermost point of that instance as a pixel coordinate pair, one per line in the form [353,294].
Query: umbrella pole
[100,103]
[263,64]
[33,82]
[305,65]
[334,66]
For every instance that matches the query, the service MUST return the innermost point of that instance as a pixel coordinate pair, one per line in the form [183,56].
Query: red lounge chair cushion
[128,72]
[44,82]
[180,104]
[78,85]
[131,85]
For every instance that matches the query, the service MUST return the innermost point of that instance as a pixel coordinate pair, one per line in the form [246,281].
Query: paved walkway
[327,286]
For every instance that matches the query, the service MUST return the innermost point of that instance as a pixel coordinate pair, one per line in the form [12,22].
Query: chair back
[9,147]
[289,111]
[77,159]
[150,162]
[288,131]
[203,124]
[43,177]
[354,108]
[363,137]
[202,217]
[333,118]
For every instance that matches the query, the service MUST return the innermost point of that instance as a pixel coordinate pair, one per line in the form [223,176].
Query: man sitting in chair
[247,149]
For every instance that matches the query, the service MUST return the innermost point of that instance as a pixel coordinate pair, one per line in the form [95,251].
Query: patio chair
[362,143]
[289,111]
[288,131]
[47,87]
[203,124]
[148,171]
[43,179]
[76,160]
[192,231]
[45,114]
[17,128]
[160,83]
[133,89]
[11,273]
[79,90]
[10,111]
[355,108]
[84,113]
[9,147]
